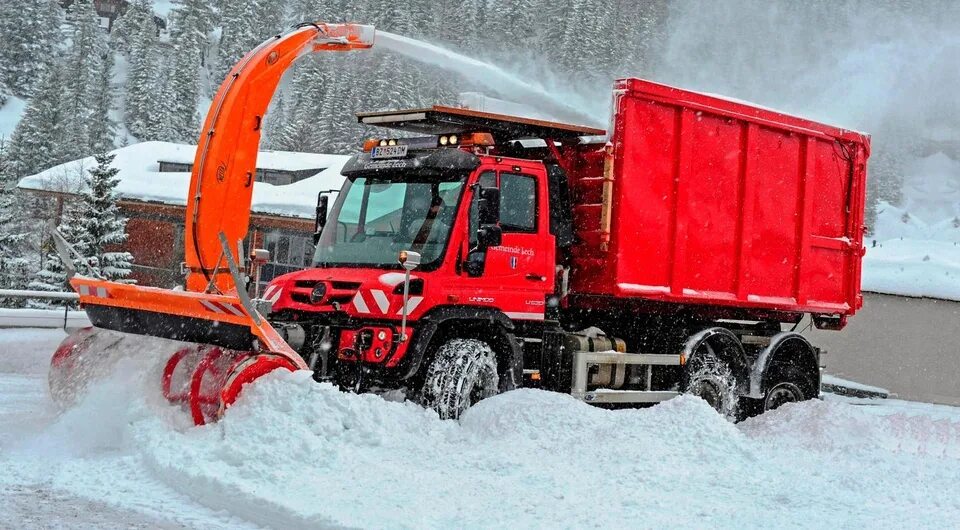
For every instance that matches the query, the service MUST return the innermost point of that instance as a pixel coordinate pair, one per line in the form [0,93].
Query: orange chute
[232,344]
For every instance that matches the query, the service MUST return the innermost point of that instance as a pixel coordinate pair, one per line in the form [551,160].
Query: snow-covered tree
[81,78]
[126,28]
[4,93]
[245,24]
[192,21]
[275,122]
[29,40]
[143,75]
[162,99]
[103,226]
[239,21]
[52,276]
[102,129]
[14,268]
[37,140]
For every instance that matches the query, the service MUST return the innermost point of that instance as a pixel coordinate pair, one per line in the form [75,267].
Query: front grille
[300,297]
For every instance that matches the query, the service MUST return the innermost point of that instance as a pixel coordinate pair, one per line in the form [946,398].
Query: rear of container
[713,203]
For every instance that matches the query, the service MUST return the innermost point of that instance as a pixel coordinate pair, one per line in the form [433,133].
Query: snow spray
[563,106]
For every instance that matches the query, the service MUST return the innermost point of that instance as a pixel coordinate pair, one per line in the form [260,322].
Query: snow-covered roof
[141,179]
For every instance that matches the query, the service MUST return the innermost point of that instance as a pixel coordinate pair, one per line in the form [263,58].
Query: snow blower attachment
[224,341]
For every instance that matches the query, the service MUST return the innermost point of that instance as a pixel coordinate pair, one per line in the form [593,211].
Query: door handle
[536,277]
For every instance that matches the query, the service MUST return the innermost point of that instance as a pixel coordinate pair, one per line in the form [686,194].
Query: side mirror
[489,206]
[323,207]
[489,233]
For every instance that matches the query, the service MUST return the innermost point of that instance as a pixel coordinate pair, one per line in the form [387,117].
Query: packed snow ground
[296,454]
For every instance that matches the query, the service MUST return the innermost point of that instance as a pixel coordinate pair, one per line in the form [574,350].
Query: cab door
[519,273]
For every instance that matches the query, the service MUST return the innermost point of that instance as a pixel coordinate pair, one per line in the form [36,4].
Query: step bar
[582,361]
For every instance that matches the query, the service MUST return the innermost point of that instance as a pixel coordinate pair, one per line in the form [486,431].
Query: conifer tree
[52,276]
[37,139]
[4,93]
[126,28]
[103,226]
[275,122]
[144,69]
[102,130]
[29,40]
[239,34]
[192,20]
[14,267]
[81,70]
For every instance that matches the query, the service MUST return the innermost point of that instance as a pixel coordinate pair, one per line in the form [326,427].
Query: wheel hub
[781,394]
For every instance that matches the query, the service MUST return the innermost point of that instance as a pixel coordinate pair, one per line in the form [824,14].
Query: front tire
[463,372]
[713,380]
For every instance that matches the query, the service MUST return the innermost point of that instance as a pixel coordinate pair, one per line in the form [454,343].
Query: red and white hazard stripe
[381,304]
[223,308]
[99,292]
[272,293]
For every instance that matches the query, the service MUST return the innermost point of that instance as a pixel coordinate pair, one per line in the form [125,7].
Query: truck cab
[483,227]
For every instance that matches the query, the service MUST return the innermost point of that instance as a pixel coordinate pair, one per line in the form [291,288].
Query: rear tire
[463,372]
[789,385]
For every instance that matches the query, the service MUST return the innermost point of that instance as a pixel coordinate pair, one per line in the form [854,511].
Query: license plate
[389,151]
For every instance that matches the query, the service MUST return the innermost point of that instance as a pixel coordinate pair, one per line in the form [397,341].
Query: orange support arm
[221,186]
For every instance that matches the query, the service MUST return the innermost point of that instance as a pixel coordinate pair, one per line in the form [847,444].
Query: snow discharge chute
[228,343]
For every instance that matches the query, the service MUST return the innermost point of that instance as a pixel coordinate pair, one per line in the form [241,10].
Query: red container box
[715,202]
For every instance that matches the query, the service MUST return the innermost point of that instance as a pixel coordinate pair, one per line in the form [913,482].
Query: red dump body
[720,203]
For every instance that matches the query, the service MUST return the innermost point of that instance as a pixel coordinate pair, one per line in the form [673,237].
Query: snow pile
[293,453]
[140,177]
[296,454]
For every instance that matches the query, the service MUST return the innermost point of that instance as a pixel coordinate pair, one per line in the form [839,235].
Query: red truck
[679,253]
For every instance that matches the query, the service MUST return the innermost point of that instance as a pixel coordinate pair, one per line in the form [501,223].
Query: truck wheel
[789,385]
[712,379]
[463,372]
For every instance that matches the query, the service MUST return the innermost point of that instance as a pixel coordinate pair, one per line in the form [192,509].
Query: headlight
[318,293]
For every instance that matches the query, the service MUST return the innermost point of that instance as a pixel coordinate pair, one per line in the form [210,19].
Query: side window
[518,203]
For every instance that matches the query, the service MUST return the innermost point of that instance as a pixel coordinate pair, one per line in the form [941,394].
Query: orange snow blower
[225,342]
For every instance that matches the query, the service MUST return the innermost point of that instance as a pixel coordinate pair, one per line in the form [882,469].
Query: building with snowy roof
[154,181]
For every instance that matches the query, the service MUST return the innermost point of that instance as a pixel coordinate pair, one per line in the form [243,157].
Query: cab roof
[440,119]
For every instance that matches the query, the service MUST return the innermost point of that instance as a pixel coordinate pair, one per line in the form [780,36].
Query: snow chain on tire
[709,374]
[463,372]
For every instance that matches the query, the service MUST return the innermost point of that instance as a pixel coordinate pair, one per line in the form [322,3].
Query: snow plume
[887,68]
[557,101]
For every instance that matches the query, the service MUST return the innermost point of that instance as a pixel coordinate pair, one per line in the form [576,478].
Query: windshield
[374,219]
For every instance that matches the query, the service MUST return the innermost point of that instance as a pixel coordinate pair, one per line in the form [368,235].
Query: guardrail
[41,318]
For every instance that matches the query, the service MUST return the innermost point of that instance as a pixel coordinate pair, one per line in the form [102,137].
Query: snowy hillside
[295,454]
[10,114]
[915,248]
